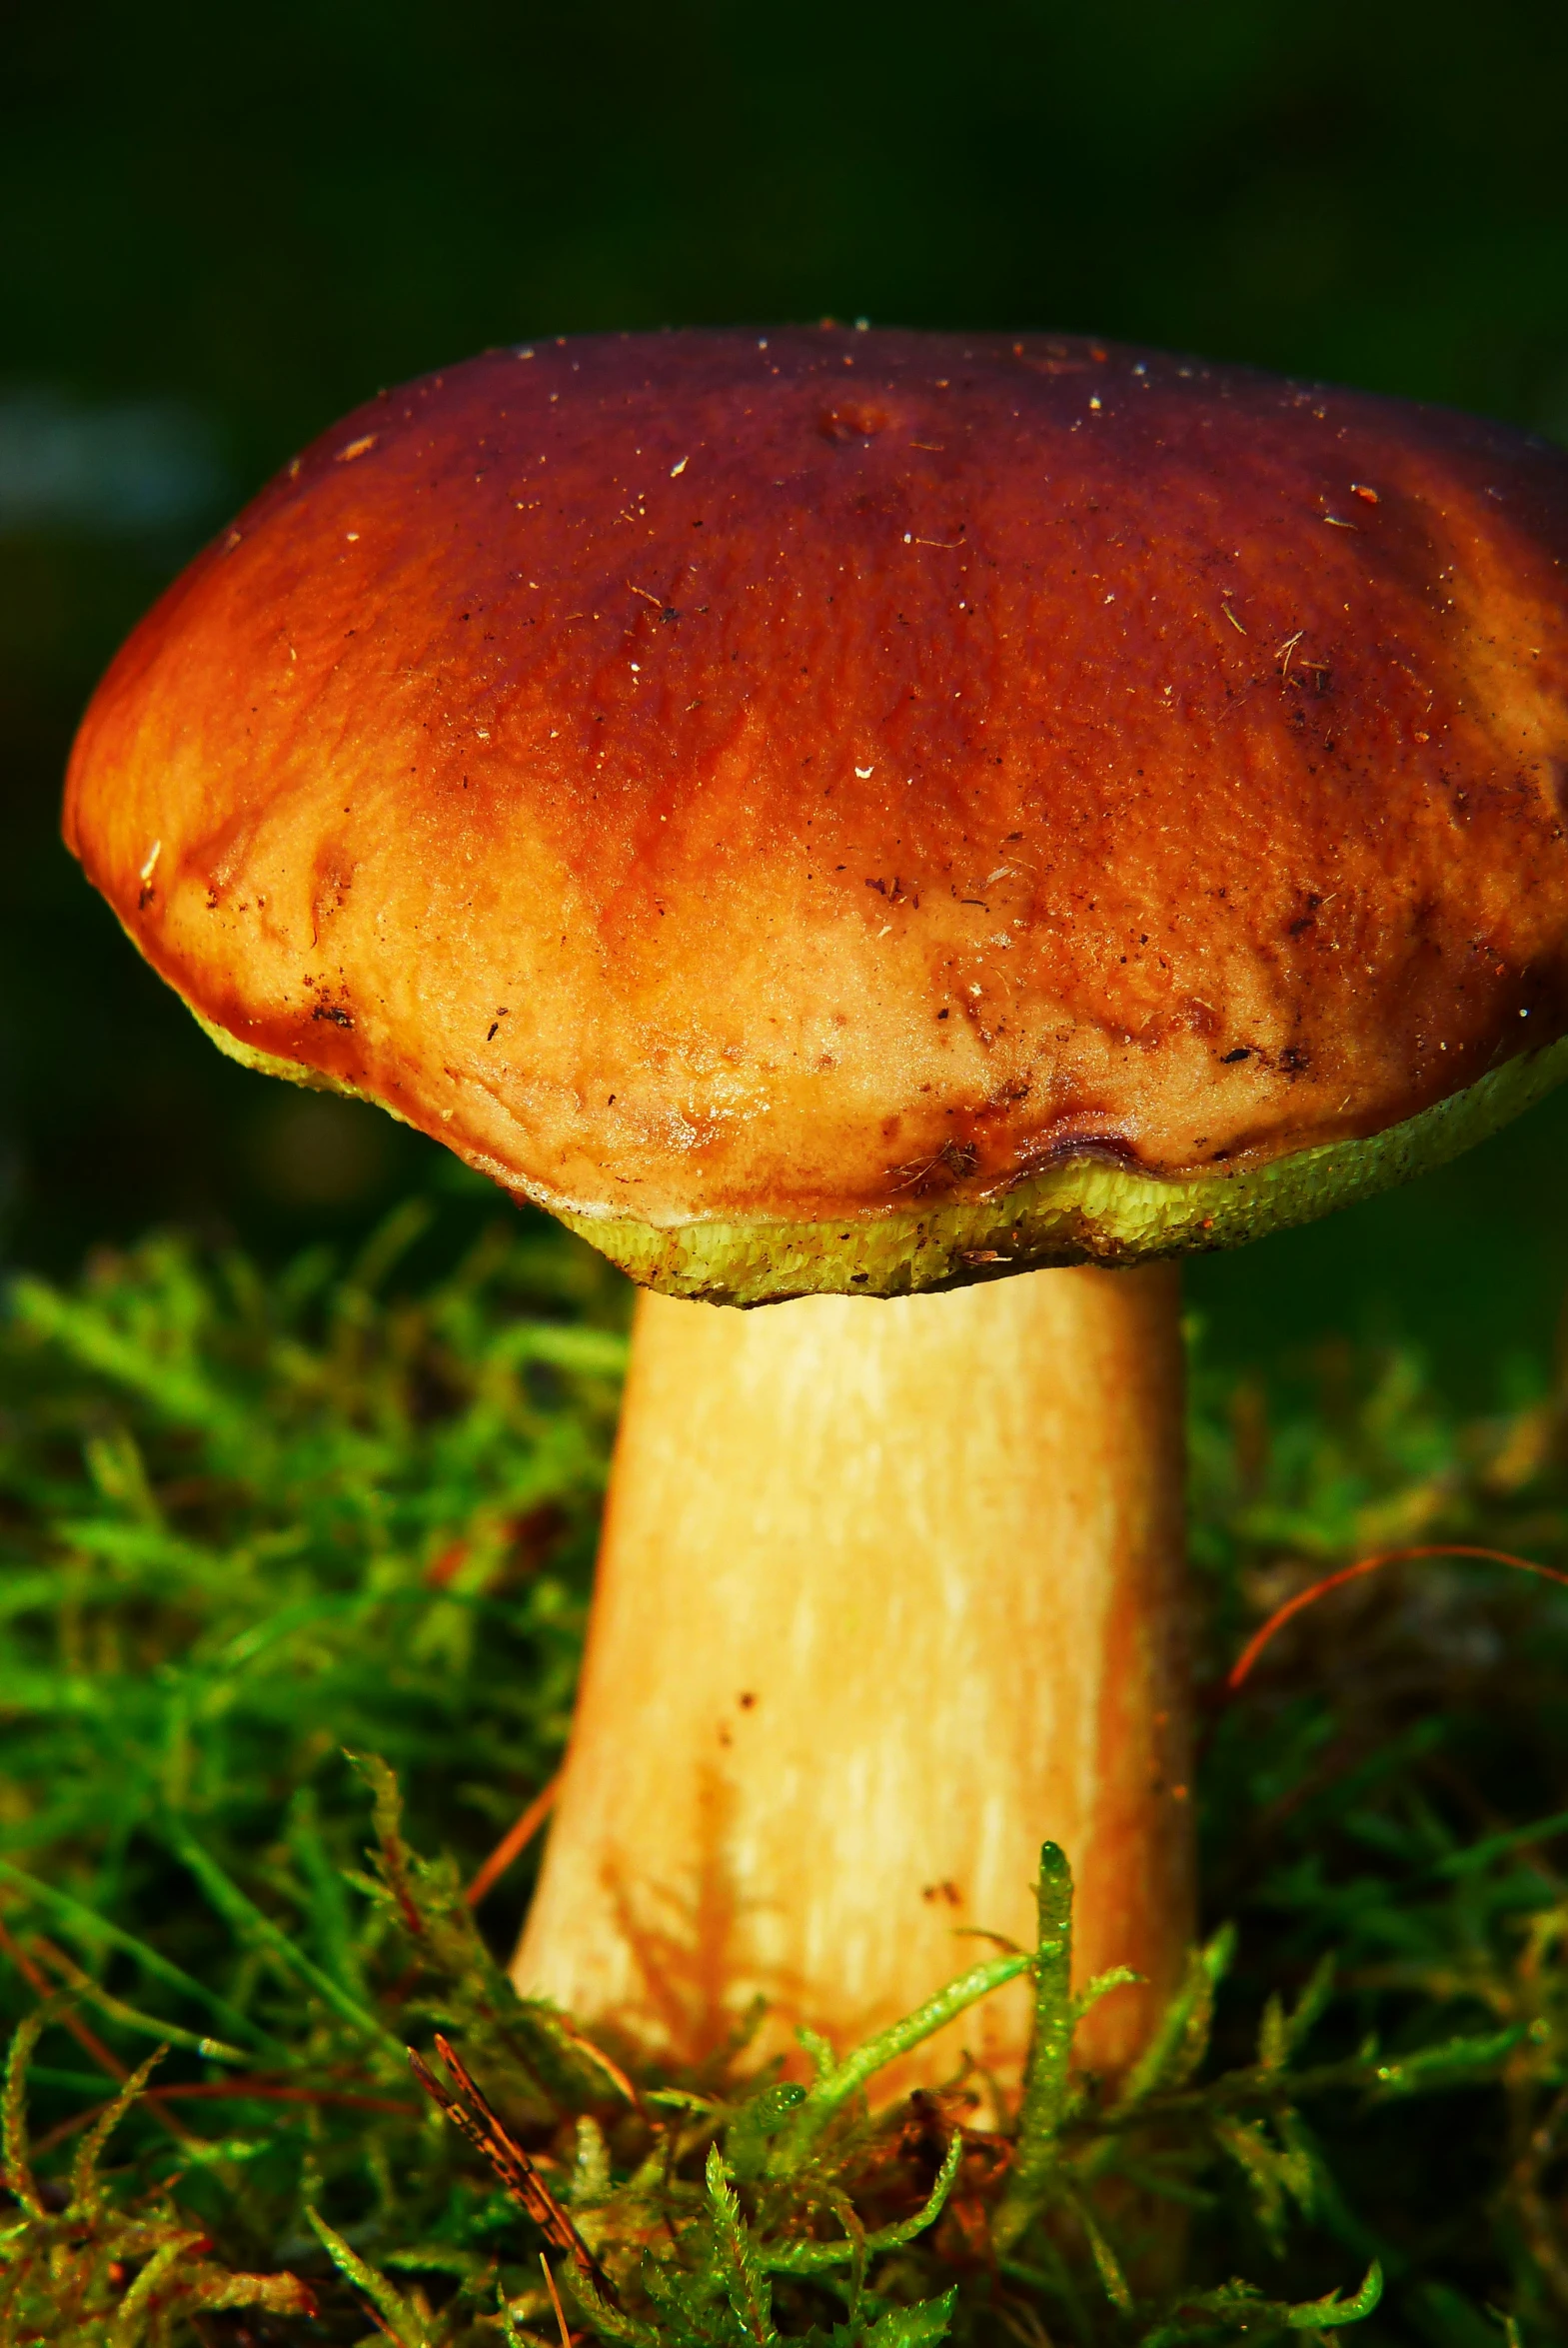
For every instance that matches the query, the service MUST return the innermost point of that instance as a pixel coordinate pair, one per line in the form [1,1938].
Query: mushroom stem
[888,1593]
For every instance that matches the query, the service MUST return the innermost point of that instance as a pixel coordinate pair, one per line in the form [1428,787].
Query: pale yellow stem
[888,1593]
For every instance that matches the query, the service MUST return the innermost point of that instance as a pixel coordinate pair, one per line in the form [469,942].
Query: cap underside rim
[1078,1210]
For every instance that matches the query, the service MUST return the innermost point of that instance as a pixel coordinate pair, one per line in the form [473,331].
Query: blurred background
[224,227]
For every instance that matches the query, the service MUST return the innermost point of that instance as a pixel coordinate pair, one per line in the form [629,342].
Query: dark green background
[249,219]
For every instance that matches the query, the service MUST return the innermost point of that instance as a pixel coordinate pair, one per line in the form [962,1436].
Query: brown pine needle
[473,2118]
[602,2062]
[1303,1598]
[516,1841]
[88,2041]
[555,2301]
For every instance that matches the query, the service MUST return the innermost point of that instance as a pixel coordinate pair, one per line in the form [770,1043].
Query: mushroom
[860,823]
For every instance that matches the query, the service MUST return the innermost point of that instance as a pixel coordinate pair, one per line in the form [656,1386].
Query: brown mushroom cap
[901,789]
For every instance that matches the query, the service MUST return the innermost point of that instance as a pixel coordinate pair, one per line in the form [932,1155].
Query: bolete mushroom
[858,818]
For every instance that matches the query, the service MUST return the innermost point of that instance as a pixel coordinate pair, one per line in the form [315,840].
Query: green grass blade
[835,2090]
[1478,1855]
[332,1924]
[130,2017]
[251,1924]
[87,1924]
[1050,2052]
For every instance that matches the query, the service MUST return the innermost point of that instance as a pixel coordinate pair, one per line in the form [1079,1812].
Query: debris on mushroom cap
[898,785]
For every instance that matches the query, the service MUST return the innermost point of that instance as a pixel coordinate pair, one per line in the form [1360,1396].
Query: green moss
[245,1523]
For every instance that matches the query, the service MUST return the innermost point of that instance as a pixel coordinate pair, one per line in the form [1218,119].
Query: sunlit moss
[246,1524]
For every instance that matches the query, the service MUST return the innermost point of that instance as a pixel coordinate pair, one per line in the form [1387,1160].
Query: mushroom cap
[868,810]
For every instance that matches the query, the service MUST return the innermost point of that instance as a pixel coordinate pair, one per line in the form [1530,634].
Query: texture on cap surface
[959,802]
